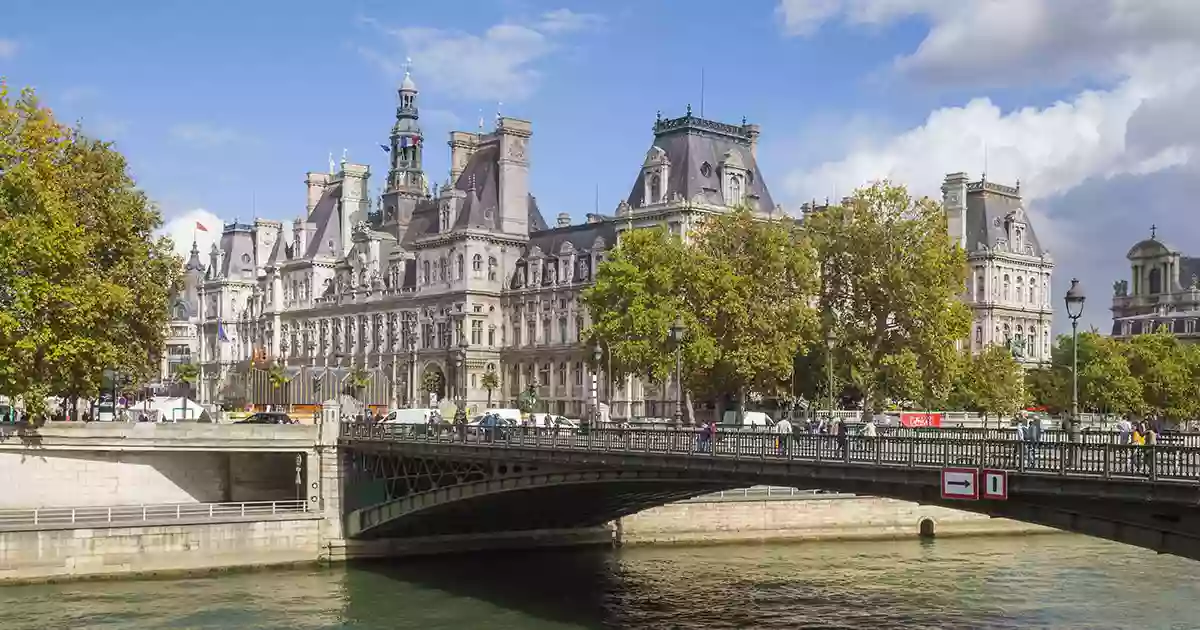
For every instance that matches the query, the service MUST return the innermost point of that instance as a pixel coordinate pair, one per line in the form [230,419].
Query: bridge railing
[1105,459]
[98,516]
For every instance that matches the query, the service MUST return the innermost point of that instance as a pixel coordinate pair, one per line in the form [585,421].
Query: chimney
[316,186]
[462,147]
[513,136]
[355,199]
[593,218]
[753,130]
[564,219]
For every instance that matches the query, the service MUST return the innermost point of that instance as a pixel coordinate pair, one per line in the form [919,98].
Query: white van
[407,416]
[751,421]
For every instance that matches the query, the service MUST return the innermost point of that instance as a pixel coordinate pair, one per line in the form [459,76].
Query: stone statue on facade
[553,274]
[536,270]
[1121,288]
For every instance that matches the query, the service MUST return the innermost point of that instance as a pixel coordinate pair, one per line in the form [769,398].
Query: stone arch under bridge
[410,490]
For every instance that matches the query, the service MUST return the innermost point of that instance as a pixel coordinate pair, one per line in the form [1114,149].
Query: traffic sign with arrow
[960,483]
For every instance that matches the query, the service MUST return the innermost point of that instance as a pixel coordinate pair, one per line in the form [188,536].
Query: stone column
[329,475]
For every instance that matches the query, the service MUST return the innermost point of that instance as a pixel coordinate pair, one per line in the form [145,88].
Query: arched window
[979,294]
[655,189]
[476,263]
[459,262]
[442,265]
[1005,294]
[735,189]
[1020,294]
[1032,290]
[425,271]
[1155,281]
[491,267]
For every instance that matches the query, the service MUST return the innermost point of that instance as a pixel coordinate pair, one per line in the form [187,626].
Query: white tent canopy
[173,409]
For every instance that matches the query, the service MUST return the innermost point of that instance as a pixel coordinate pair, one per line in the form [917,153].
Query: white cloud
[9,48]
[1003,42]
[498,64]
[1129,131]
[182,230]
[208,136]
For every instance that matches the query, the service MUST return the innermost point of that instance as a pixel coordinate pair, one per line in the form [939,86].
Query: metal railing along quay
[1059,457]
[100,516]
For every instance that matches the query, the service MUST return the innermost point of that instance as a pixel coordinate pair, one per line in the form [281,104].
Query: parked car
[489,424]
[268,417]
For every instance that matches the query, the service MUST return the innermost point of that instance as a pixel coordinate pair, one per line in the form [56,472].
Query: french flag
[409,142]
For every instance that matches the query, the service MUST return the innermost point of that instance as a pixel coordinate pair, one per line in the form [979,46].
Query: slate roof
[988,206]
[326,239]
[689,143]
[480,179]
[237,241]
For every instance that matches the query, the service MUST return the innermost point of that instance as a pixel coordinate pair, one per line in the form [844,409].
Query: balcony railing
[100,516]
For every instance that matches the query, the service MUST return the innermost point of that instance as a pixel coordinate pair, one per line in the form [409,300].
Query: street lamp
[597,355]
[676,333]
[1075,299]
[830,343]
[460,361]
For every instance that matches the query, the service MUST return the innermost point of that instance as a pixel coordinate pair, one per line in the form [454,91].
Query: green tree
[1049,387]
[1106,384]
[188,374]
[741,286]
[1168,381]
[490,382]
[891,278]
[432,382]
[84,283]
[996,382]
[636,297]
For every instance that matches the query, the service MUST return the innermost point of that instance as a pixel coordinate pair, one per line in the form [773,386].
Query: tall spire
[406,172]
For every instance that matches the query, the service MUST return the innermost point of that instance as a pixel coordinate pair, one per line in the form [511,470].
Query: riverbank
[806,517]
[160,549]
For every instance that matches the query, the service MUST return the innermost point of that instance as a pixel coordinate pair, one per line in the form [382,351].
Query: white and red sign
[995,485]
[960,483]
[920,419]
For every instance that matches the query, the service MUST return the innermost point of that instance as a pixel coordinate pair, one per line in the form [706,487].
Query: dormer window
[734,178]
[656,171]
[445,219]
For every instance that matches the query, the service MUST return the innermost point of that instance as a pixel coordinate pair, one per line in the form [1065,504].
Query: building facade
[429,289]
[1008,285]
[1163,292]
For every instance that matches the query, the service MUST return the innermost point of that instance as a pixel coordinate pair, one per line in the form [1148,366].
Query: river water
[1050,581]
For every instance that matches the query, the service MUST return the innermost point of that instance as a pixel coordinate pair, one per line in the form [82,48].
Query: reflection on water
[1036,582]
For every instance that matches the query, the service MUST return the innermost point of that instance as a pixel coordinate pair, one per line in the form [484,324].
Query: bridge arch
[540,500]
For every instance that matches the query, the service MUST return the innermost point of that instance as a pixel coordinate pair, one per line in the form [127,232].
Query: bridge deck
[1092,460]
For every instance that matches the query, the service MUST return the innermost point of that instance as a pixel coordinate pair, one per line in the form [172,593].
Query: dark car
[268,417]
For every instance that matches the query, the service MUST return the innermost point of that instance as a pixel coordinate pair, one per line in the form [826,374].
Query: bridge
[410,482]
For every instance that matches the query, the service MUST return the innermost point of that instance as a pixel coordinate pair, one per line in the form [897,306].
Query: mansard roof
[237,241]
[691,142]
[989,207]
[480,180]
[326,238]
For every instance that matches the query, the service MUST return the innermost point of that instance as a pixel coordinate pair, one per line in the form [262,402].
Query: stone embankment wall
[807,517]
[90,478]
[79,553]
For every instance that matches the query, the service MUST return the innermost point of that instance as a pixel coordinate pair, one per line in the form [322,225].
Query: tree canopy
[891,279]
[741,285]
[84,282]
[1152,374]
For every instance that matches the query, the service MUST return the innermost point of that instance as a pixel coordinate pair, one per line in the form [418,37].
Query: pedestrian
[842,438]
[784,439]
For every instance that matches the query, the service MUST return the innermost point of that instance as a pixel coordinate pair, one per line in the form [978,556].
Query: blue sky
[222,108]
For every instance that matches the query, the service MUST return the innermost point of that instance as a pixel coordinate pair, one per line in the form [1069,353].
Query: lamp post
[676,335]
[597,355]
[410,344]
[830,343]
[460,363]
[1074,299]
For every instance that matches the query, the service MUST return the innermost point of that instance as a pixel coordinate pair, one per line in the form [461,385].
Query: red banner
[920,419]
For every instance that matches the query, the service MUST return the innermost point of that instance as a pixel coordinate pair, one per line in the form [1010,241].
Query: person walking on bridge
[784,441]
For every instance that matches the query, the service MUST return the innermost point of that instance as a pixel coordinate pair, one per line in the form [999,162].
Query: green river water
[1055,581]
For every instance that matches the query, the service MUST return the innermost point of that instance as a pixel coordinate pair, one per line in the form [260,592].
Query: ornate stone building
[408,286]
[1164,292]
[1008,286]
